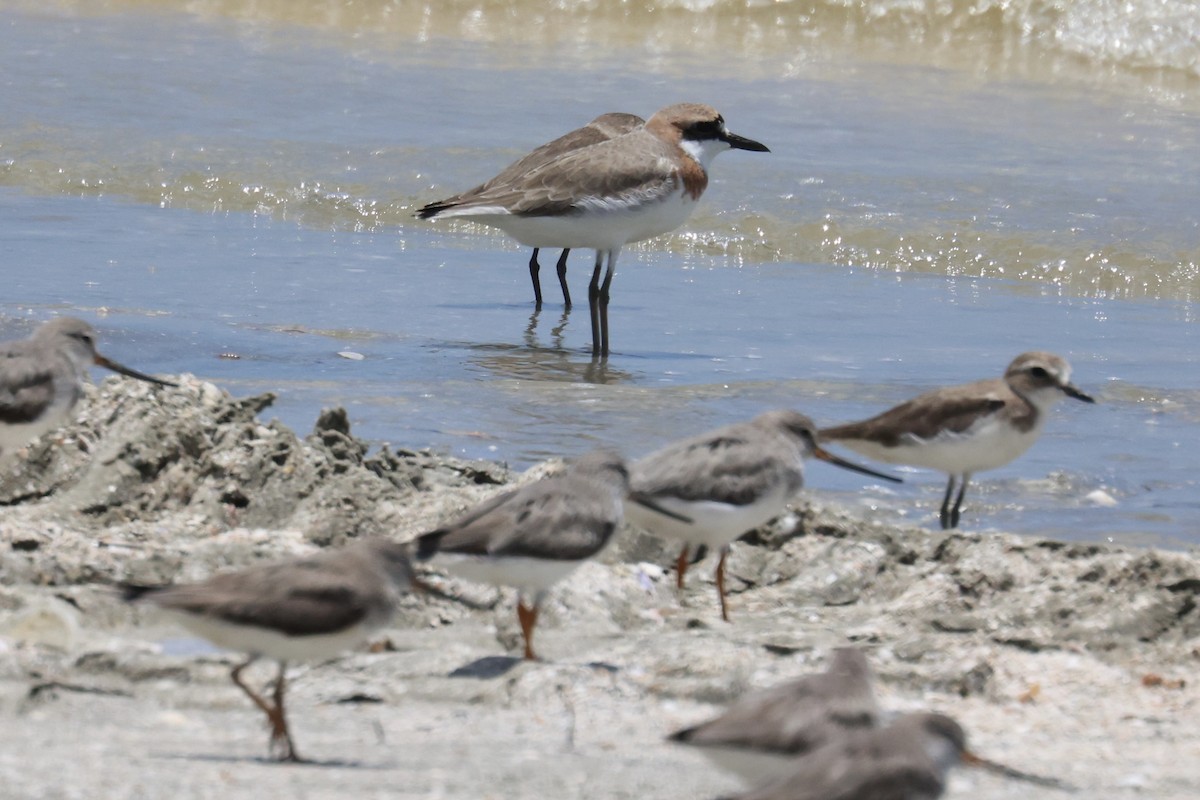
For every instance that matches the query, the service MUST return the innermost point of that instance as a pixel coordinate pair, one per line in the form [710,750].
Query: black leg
[534,269]
[594,303]
[562,277]
[608,276]
[944,516]
[962,489]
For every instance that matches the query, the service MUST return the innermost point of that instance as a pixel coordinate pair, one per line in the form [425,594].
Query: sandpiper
[41,378]
[965,429]
[602,128]
[632,187]
[534,536]
[297,610]
[760,735]
[907,760]
[726,482]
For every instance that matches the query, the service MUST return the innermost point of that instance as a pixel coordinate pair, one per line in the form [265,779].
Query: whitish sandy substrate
[1049,654]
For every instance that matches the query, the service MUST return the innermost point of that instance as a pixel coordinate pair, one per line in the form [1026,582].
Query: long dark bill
[742,143]
[133,373]
[648,502]
[825,455]
[972,760]
[1070,390]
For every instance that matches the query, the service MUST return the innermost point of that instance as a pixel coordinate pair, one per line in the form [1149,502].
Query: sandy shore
[1071,660]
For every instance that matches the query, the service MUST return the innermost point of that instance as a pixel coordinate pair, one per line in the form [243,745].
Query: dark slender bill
[132,373]
[972,760]
[648,502]
[825,455]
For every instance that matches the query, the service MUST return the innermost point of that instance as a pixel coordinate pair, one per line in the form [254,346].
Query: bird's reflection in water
[553,360]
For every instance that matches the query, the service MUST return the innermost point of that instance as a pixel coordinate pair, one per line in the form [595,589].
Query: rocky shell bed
[1075,661]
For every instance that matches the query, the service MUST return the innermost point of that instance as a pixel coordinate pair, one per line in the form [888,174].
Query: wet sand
[1069,660]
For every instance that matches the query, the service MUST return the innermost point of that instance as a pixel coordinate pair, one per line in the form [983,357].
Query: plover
[907,760]
[602,128]
[534,536]
[632,187]
[297,610]
[728,482]
[762,733]
[965,429]
[41,378]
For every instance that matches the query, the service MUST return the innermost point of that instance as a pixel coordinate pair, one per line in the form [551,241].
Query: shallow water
[239,181]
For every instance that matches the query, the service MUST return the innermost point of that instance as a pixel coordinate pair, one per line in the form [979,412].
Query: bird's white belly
[714,524]
[987,445]
[273,643]
[530,575]
[600,226]
[755,767]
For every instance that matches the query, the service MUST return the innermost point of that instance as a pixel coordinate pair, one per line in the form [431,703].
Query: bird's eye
[1039,372]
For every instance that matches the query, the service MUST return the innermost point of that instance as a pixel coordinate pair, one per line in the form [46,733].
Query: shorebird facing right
[761,735]
[302,609]
[726,482]
[41,378]
[961,430]
[602,128]
[632,187]
[907,760]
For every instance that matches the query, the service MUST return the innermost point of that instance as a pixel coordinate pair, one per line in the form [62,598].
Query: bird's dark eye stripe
[708,128]
[1039,372]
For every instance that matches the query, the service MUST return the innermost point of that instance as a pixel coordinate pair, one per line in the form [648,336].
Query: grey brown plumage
[41,378]
[303,608]
[761,734]
[535,535]
[632,187]
[603,127]
[965,429]
[907,760]
[727,481]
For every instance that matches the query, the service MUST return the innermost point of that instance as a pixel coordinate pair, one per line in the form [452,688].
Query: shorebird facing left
[961,430]
[726,482]
[534,536]
[41,378]
[632,187]
[302,609]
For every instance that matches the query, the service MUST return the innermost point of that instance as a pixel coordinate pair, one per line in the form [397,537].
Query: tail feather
[683,736]
[428,544]
[433,209]
[132,592]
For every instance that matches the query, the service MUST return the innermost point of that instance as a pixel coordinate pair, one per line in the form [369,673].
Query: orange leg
[681,567]
[281,738]
[527,615]
[721,584]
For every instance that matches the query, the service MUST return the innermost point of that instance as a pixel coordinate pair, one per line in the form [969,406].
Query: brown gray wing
[923,417]
[553,518]
[553,188]
[580,137]
[598,130]
[856,769]
[726,466]
[26,388]
[299,598]
[793,718]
